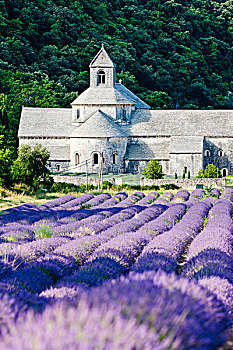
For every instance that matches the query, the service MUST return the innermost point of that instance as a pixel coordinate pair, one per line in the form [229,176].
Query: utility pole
[86,177]
[102,164]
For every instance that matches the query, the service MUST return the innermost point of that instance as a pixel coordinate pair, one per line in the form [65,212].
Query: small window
[49,165]
[101,77]
[58,167]
[224,172]
[76,158]
[95,159]
[77,114]
[207,153]
[185,170]
[114,158]
[123,114]
[220,153]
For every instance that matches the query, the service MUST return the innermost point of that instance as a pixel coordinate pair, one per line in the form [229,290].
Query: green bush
[171,187]
[210,172]
[153,170]
[107,185]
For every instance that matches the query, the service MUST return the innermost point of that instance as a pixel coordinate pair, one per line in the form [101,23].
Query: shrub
[153,170]
[210,172]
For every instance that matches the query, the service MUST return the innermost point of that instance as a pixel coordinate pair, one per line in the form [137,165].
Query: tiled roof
[99,125]
[45,122]
[131,97]
[102,59]
[101,96]
[156,148]
[186,144]
[181,122]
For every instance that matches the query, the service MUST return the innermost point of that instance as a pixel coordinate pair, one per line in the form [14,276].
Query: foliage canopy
[173,54]
[210,172]
[153,170]
[30,166]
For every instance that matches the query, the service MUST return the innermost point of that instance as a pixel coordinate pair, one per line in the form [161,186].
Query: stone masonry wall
[87,147]
[186,183]
[212,155]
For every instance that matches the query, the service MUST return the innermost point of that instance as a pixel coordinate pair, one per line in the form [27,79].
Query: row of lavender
[146,310]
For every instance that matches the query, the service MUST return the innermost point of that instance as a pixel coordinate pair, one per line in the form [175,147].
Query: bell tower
[102,70]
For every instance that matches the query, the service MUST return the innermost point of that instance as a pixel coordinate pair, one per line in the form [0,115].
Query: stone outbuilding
[109,126]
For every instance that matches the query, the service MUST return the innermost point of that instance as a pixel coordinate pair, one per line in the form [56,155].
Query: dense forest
[173,54]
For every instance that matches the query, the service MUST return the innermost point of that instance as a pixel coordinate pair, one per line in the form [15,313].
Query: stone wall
[219,151]
[76,180]
[87,147]
[186,183]
[183,183]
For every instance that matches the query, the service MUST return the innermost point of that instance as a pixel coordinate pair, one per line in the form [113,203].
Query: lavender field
[123,272]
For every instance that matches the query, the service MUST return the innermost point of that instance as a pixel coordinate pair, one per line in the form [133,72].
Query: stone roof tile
[101,96]
[181,122]
[45,122]
[158,149]
[131,97]
[186,144]
[99,125]
[102,59]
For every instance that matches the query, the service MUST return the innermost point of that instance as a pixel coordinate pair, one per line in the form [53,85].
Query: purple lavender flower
[83,327]
[57,202]
[183,313]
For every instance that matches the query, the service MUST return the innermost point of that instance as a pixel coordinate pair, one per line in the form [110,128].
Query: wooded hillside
[173,54]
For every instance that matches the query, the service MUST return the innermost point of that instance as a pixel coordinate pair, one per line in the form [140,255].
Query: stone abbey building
[109,125]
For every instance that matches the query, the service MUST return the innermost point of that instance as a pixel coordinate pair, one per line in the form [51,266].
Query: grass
[10,199]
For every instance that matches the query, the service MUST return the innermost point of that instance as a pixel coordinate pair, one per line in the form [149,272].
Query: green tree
[30,166]
[210,172]
[183,175]
[6,161]
[158,100]
[153,170]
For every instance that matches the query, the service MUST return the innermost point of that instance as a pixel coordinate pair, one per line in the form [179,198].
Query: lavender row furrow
[210,255]
[79,250]
[89,224]
[165,221]
[111,259]
[166,249]
[20,255]
[58,202]
[122,247]
[141,311]
[78,201]
[117,198]
[98,200]
[181,196]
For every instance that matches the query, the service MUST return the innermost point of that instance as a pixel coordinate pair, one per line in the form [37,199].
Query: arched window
[95,159]
[76,158]
[58,167]
[220,153]
[114,158]
[207,153]
[224,172]
[101,77]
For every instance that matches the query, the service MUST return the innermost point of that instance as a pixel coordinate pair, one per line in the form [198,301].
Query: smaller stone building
[109,126]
